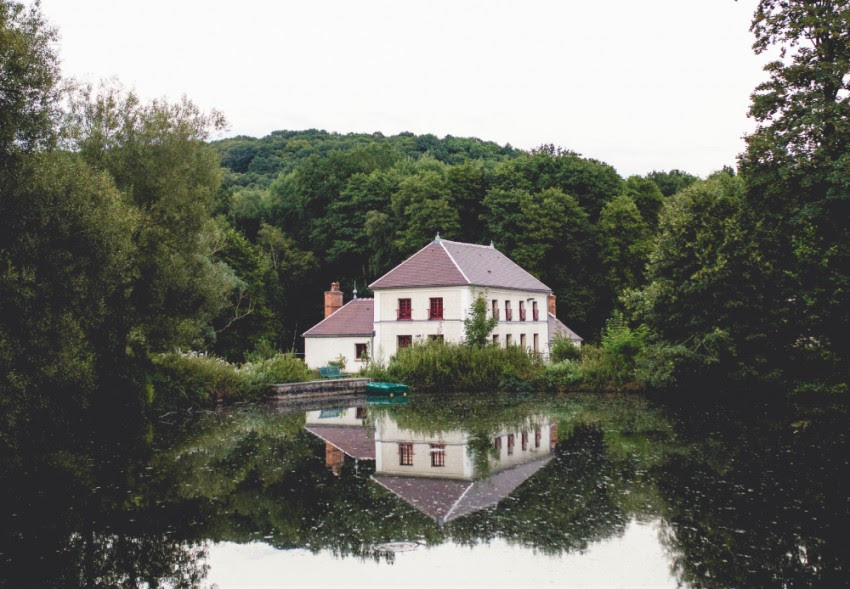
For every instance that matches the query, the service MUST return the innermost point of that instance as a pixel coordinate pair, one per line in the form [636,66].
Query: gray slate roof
[452,263]
[556,327]
[356,441]
[448,499]
[355,318]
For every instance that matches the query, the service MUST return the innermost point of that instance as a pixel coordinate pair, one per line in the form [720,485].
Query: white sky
[639,84]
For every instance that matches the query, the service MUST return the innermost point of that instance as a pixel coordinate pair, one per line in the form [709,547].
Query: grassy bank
[198,380]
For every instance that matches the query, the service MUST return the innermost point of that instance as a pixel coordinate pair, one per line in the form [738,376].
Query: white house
[428,296]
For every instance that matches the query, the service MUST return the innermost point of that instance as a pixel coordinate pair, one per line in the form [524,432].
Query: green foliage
[198,380]
[796,168]
[30,78]
[477,327]
[669,183]
[340,362]
[279,368]
[625,244]
[562,348]
[445,367]
[706,280]
[192,380]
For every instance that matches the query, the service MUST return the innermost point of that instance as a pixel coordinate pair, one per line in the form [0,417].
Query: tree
[797,167]
[647,197]
[29,80]
[625,243]
[477,327]
[157,157]
[705,282]
[669,183]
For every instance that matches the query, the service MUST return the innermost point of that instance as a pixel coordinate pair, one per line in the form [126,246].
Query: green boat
[388,389]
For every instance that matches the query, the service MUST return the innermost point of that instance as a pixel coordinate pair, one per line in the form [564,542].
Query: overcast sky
[642,85]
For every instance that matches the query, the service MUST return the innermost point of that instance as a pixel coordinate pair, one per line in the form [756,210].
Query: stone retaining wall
[319,388]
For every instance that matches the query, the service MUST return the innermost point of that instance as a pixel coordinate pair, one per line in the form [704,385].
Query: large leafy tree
[797,166]
[705,290]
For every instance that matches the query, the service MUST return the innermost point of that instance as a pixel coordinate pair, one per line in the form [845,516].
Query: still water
[584,490]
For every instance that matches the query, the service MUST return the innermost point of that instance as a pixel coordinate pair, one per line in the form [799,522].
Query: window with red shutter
[404,341]
[435,310]
[405,311]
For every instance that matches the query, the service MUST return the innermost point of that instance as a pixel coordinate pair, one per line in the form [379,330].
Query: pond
[586,490]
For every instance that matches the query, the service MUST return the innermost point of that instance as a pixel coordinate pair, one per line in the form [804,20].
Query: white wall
[456,303]
[318,351]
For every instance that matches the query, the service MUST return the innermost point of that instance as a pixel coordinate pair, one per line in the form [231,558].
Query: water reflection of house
[445,474]
[450,474]
[344,433]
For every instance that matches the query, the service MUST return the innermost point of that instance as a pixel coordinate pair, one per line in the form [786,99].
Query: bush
[562,348]
[563,376]
[279,368]
[444,367]
[198,380]
[191,379]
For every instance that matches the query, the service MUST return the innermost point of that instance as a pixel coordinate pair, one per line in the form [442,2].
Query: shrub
[198,380]
[563,376]
[437,366]
[279,368]
[562,348]
[191,379]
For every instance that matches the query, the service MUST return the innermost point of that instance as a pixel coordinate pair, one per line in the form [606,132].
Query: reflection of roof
[556,327]
[357,442]
[354,318]
[448,499]
[452,263]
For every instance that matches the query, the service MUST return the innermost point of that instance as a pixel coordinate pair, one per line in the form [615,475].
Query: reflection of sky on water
[635,559]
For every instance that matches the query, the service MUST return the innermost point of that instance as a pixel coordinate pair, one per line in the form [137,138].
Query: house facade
[428,296]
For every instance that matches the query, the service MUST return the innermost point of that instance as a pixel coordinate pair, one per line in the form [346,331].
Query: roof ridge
[466,243]
[459,269]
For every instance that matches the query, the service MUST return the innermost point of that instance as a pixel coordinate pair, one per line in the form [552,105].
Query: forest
[126,231]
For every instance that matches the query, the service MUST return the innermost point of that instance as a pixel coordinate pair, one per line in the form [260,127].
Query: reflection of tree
[75,520]
[759,502]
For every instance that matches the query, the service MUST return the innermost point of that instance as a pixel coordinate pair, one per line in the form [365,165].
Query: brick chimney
[550,300]
[333,299]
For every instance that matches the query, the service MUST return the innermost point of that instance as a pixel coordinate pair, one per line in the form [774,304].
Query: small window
[535,314]
[524,441]
[405,454]
[536,340]
[522,310]
[404,311]
[510,444]
[522,341]
[495,309]
[404,341]
[508,313]
[435,309]
[509,340]
[537,437]
[361,413]
[438,454]
[497,444]
[361,352]
[495,339]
